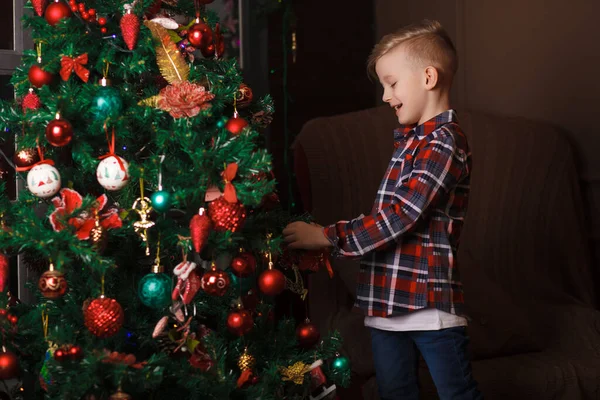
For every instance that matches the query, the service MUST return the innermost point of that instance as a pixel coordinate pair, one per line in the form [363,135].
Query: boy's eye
[393,85]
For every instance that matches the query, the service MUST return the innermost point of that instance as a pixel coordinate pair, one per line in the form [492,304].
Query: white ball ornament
[111,174]
[43,180]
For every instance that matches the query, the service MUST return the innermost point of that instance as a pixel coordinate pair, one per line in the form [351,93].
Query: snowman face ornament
[43,180]
[111,174]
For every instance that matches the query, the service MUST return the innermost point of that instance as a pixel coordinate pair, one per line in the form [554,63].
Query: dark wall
[328,75]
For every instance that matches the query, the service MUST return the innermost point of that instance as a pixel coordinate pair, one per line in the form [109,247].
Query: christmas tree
[151,215]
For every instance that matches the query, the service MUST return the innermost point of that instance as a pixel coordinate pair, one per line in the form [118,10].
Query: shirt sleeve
[437,168]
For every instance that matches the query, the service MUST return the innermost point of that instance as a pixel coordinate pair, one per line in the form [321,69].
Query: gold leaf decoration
[171,63]
[150,101]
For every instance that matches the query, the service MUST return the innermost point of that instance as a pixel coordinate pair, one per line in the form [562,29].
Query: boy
[408,283]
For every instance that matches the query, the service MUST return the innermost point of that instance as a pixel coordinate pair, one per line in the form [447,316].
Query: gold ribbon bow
[295,373]
[68,64]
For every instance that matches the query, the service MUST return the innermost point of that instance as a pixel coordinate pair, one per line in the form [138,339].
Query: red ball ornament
[9,365]
[57,11]
[307,334]
[60,355]
[26,157]
[52,284]
[75,353]
[271,282]
[235,125]
[225,215]
[38,77]
[215,282]
[3,312]
[102,21]
[240,322]
[200,35]
[38,6]
[59,132]
[244,264]
[13,319]
[130,28]
[31,101]
[103,317]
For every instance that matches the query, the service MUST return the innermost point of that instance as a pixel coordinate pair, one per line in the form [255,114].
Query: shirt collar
[426,127]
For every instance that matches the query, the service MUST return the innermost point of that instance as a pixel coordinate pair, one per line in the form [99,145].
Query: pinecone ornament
[130,28]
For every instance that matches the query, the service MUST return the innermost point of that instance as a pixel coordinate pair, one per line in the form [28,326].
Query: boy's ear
[431,77]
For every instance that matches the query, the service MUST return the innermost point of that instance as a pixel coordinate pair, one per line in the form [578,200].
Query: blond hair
[427,42]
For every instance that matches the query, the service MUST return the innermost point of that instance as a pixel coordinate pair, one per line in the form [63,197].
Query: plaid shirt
[408,243]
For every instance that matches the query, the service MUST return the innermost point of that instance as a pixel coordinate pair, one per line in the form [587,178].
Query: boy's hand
[301,235]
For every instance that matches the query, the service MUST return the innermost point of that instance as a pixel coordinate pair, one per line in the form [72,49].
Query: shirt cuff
[330,233]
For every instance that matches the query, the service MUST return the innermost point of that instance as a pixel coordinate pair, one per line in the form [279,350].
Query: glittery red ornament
[39,6]
[200,35]
[103,317]
[271,282]
[225,215]
[243,264]
[26,157]
[244,96]
[236,125]
[38,77]
[130,28]
[200,229]
[59,132]
[215,282]
[307,334]
[240,322]
[31,101]
[56,11]
[52,284]
[9,365]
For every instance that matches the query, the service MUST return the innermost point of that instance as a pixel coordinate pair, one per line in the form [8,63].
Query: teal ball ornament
[107,102]
[341,364]
[161,200]
[154,290]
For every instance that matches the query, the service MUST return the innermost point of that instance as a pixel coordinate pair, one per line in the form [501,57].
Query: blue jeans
[445,352]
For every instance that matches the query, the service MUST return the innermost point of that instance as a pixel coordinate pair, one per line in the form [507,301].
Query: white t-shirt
[427,319]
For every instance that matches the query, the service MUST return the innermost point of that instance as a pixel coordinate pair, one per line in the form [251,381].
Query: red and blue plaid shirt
[408,243]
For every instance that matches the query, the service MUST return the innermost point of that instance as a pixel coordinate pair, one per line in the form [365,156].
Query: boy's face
[403,84]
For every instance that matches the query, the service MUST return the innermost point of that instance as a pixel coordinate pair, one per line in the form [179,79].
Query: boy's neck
[438,103]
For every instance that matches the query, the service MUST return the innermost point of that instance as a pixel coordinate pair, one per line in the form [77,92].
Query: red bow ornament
[229,175]
[70,201]
[68,64]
